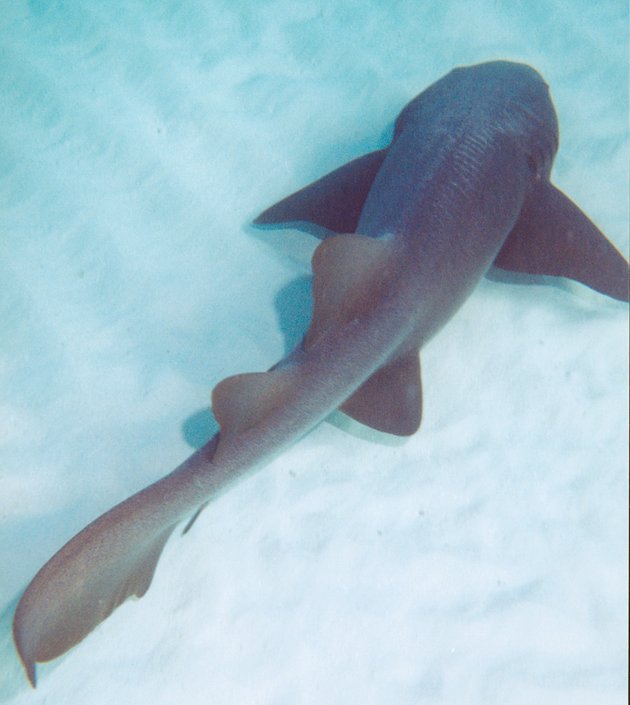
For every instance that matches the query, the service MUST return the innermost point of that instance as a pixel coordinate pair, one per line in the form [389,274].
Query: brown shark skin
[438,206]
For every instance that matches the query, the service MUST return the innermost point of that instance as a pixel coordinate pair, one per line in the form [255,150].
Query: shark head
[517,103]
[521,107]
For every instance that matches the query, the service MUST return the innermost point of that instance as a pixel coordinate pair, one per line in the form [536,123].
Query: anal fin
[553,236]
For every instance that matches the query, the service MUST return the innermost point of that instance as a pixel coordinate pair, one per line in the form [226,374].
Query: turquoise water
[482,561]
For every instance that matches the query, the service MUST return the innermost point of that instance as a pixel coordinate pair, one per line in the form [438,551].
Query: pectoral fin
[553,236]
[334,201]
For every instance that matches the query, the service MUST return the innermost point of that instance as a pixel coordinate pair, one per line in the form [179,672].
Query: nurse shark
[408,231]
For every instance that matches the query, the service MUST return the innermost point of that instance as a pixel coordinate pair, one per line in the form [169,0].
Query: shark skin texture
[410,230]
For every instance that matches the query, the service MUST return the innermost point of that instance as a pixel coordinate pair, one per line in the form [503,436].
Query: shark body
[409,231]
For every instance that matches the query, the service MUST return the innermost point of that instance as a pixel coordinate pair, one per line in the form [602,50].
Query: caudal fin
[110,560]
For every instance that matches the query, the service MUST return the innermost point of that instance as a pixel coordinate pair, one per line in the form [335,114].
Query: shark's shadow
[294,305]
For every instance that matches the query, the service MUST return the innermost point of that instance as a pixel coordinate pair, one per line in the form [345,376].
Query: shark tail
[111,559]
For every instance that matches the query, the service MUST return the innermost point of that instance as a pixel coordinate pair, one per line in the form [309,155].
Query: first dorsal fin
[349,271]
[333,202]
[553,236]
[391,399]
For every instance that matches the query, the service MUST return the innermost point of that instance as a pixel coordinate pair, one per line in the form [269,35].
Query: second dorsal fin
[238,402]
[242,403]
